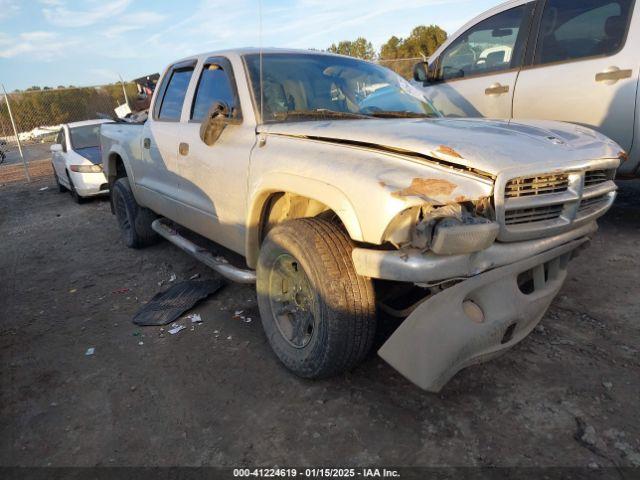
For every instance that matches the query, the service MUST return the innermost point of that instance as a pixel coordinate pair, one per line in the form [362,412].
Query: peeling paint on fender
[448,151]
[427,188]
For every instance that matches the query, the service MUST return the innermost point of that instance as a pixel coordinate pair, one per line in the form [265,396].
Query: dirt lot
[215,395]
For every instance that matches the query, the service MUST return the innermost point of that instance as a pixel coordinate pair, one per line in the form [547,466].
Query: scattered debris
[121,290]
[194,317]
[90,351]
[239,314]
[73,290]
[176,329]
[165,307]
[173,277]
[229,337]
[43,189]
[141,343]
[194,276]
[607,385]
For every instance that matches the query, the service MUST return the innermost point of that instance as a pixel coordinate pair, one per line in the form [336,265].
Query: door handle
[612,75]
[146,143]
[183,148]
[496,89]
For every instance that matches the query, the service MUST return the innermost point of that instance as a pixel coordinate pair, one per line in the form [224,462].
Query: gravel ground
[568,395]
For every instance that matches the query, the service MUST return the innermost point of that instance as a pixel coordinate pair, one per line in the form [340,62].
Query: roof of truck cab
[254,50]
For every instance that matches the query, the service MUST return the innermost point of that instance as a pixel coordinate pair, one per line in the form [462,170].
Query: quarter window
[574,30]
[214,86]
[490,46]
[173,99]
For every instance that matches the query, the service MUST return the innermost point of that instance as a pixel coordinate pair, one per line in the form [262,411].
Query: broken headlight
[445,230]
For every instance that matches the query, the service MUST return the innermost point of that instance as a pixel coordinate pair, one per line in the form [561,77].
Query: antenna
[260,53]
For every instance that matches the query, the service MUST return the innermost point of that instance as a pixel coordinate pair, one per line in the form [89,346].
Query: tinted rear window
[171,107]
[574,30]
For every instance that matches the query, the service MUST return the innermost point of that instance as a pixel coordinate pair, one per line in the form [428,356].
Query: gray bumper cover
[438,339]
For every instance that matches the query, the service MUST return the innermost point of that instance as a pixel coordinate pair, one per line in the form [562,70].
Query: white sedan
[77,163]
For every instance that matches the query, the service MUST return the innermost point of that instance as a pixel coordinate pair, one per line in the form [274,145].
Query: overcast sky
[90,42]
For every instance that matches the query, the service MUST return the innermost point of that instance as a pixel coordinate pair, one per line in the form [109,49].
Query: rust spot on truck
[448,151]
[427,188]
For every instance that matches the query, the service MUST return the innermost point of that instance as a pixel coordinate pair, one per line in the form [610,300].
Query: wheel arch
[299,197]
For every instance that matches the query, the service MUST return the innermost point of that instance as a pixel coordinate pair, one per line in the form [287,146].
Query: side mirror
[214,123]
[56,148]
[421,72]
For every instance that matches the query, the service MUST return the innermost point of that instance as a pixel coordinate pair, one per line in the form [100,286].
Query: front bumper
[439,339]
[89,184]
[411,265]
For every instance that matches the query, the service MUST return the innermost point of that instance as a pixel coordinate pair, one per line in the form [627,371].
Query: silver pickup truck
[352,202]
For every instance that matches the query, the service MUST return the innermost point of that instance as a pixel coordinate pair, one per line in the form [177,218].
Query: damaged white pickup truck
[351,200]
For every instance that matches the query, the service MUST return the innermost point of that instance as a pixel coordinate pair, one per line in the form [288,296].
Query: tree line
[421,42]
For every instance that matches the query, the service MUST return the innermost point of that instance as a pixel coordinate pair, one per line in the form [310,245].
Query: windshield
[85,137]
[308,86]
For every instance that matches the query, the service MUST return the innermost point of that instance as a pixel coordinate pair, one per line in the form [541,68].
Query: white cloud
[132,22]
[37,45]
[57,13]
[8,8]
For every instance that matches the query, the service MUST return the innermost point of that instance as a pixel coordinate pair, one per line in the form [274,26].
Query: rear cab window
[172,94]
[574,30]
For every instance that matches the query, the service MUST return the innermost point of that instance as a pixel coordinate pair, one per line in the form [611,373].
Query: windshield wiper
[318,113]
[395,114]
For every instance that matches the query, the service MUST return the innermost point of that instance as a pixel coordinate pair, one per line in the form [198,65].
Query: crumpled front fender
[439,339]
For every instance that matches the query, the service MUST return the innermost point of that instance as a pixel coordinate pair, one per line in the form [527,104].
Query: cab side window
[173,98]
[214,86]
[574,30]
[493,45]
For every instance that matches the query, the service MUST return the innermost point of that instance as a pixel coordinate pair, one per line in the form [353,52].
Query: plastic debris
[176,329]
[44,188]
[173,277]
[194,276]
[194,317]
[238,314]
[140,343]
[90,351]
[229,337]
[73,290]
[166,307]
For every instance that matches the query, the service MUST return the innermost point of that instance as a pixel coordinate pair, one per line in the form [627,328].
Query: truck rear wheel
[317,313]
[134,221]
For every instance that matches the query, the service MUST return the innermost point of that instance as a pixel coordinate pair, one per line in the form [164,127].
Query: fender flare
[307,187]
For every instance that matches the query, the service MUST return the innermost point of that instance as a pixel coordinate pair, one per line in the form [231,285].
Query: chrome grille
[588,203]
[536,214]
[595,177]
[538,185]
[536,204]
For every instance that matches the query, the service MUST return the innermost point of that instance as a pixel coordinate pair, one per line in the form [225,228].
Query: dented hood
[491,146]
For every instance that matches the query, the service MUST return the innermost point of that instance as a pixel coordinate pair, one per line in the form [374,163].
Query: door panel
[158,174]
[213,178]
[487,96]
[477,72]
[584,72]
[213,183]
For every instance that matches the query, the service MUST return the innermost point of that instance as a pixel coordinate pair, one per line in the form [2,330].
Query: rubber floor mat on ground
[166,307]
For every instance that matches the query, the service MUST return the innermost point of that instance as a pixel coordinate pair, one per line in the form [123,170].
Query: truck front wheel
[134,221]
[317,313]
